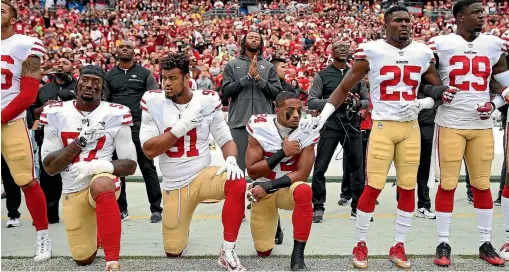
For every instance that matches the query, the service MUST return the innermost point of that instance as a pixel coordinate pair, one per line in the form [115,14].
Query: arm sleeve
[315,101]
[271,87]
[220,130]
[363,93]
[434,92]
[51,142]
[232,87]
[124,144]
[151,82]
[148,128]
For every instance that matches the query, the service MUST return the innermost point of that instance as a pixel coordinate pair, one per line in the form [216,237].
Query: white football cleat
[229,260]
[43,248]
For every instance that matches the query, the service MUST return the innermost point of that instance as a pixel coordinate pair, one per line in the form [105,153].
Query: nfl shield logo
[401,53]
[470,45]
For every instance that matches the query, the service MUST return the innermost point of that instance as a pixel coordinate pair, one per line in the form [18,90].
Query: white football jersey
[15,50]
[69,121]
[394,75]
[183,161]
[468,67]
[263,128]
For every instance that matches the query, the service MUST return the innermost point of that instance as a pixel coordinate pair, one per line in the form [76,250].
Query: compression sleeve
[28,93]
[124,144]
[51,142]
[148,128]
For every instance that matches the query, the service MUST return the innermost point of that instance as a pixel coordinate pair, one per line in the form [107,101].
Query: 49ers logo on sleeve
[7,75]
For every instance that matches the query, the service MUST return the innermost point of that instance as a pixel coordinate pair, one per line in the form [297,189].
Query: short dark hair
[461,5]
[283,96]
[175,60]
[13,10]
[393,9]
[276,61]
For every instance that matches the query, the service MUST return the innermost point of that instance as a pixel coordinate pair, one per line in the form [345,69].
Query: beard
[175,95]
[251,49]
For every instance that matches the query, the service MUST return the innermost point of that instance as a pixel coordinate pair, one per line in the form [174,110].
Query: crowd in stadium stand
[300,32]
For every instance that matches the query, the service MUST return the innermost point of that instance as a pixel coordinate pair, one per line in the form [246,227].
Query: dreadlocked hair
[243,45]
[175,60]
[283,96]
[461,5]
[393,9]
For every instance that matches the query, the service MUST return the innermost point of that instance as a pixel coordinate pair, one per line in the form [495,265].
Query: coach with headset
[342,127]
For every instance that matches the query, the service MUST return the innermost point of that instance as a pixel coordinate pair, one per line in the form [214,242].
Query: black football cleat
[297,260]
[488,253]
[443,254]
[279,234]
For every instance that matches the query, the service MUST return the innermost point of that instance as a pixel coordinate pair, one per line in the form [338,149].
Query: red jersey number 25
[399,76]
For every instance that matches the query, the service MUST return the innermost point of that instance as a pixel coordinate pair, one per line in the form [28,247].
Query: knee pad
[303,194]
[379,152]
[82,254]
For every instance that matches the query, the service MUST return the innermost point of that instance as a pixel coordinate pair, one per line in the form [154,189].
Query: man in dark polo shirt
[126,83]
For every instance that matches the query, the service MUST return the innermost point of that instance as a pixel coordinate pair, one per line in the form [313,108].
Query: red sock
[482,199]
[233,208]
[36,204]
[108,224]
[302,216]
[444,201]
[406,200]
[367,201]
[505,192]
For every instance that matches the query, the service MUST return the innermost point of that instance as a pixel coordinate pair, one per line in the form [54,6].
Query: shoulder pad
[120,115]
[260,124]
[501,44]
[51,112]
[28,46]
[210,101]
[149,97]
[363,50]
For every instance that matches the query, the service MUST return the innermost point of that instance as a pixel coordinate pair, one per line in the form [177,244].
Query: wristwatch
[81,142]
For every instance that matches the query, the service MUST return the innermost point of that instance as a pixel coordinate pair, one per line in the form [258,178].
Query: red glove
[485,110]
[449,94]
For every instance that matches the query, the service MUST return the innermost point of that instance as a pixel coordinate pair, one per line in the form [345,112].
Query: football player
[21,75]
[279,159]
[176,124]
[80,137]
[467,60]
[394,67]
[504,251]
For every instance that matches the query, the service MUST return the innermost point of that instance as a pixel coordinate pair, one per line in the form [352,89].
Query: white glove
[231,168]
[305,119]
[317,123]
[190,119]
[83,169]
[411,110]
[92,133]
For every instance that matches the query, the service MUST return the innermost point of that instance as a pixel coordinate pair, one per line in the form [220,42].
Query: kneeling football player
[176,124]
[279,159]
[80,137]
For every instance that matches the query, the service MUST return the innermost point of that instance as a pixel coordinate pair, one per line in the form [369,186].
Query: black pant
[149,173]
[346,191]
[12,190]
[239,136]
[352,146]
[52,188]
[427,131]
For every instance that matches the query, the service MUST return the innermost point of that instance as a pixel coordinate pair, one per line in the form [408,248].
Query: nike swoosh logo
[88,133]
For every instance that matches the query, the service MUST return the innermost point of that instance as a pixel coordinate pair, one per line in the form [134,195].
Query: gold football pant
[17,151]
[393,141]
[179,206]
[80,220]
[264,215]
[475,145]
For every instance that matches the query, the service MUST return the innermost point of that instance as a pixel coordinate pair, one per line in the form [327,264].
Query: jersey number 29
[473,66]
[398,76]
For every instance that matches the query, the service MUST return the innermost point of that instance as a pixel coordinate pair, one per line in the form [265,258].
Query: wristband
[272,186]
[273,160]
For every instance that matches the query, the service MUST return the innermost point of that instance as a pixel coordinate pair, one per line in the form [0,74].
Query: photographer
[343,126]
[61,88]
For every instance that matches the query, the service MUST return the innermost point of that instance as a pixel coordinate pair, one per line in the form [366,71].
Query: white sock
[112,262]
[362,224]
[443,225]
[484,222]
[403,224]
[42,232]
[505,217]
[229,245]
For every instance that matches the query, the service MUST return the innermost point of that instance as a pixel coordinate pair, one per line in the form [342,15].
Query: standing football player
[279,159]
[466,60]
[176,124]
[80,137]
[394,67]
[21,74]
[504,251]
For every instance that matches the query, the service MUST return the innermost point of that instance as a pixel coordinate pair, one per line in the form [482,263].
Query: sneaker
[229,260]
[318,216]
[343,201]
[470,199]
[297,262]
[114,266]
[353,216]
[443,254]
[360,256]
[504,252]
[155,218]
[425,213]
[13,222]
[43,248]
[124,216]
[4,195]
[488,253]
[398,256]
[498,201]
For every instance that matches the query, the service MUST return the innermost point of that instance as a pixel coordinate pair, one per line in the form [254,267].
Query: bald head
[125,50]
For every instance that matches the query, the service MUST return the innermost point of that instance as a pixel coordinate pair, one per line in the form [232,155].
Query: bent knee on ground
[264,248]
[101,185]
[82,256]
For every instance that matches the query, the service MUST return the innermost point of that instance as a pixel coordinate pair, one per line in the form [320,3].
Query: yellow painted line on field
[289,216]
